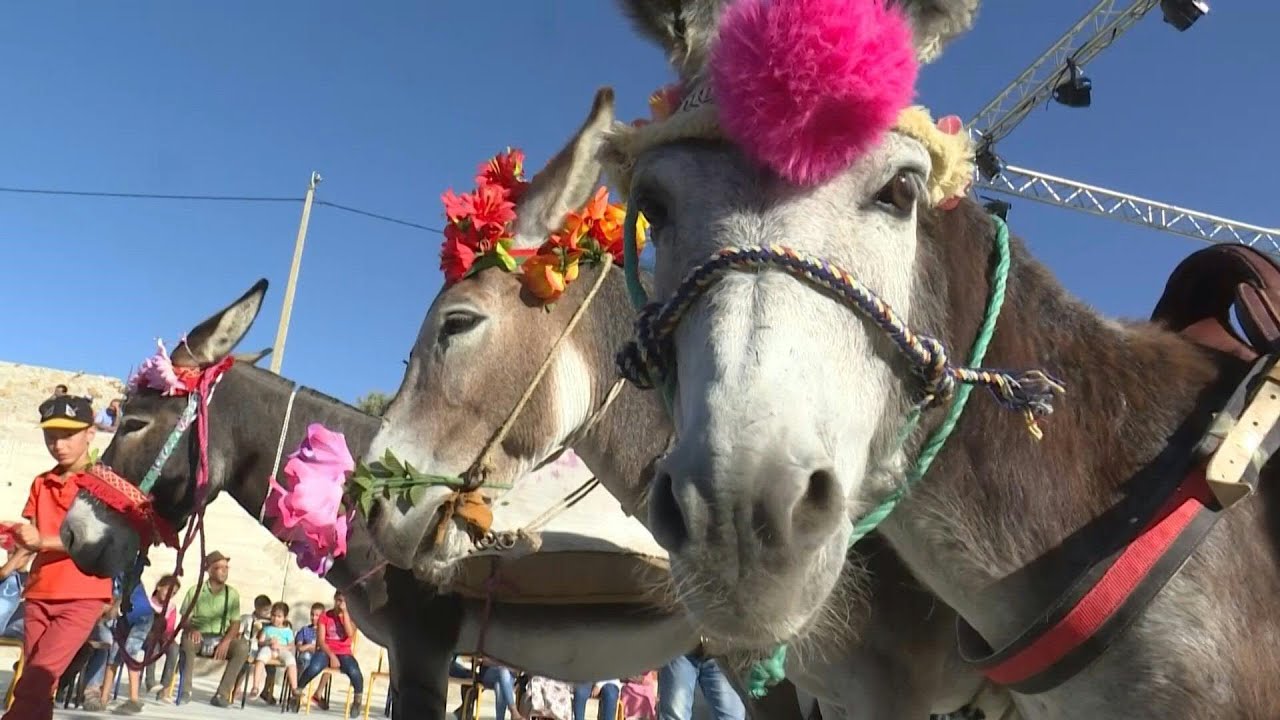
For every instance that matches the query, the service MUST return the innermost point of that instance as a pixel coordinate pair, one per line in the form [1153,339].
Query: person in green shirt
[213,630]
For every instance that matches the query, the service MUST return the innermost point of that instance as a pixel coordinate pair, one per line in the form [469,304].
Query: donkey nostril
[822,490]
[821,501]
[665,517]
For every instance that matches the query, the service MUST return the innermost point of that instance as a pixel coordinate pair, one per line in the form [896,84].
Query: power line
[376,216]
[216,198]
[148,196]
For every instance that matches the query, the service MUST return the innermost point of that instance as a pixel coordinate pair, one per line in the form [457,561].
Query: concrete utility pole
[277,352]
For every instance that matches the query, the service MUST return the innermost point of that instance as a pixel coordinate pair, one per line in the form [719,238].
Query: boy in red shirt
[62,603]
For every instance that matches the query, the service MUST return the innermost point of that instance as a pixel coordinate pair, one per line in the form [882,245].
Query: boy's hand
[28,536]
[333,661]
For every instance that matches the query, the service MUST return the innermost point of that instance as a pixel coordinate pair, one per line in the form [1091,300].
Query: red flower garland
[481,223]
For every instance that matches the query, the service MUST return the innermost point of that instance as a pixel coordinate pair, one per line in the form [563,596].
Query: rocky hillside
[24,387]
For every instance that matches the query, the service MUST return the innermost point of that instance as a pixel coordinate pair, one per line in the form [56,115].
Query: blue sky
[395,101]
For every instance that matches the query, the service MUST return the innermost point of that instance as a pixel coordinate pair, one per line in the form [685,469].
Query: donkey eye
[899,194]
[654,211]
[458,322]
[130,425]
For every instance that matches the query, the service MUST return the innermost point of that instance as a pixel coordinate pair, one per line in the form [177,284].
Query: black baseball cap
[69,412]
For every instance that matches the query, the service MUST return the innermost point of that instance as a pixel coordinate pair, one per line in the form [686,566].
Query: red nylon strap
[1118,583]
[127,500]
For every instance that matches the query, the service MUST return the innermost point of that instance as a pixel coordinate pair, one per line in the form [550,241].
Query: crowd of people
[77,630]
[663,694]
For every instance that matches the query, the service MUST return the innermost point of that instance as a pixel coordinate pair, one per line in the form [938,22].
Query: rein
[647,362]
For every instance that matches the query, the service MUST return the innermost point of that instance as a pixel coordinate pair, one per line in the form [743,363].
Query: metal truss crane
[1092,34]
[1100,27]
[1051,190]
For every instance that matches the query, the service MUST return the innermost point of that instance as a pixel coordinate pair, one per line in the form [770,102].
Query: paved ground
[200,709]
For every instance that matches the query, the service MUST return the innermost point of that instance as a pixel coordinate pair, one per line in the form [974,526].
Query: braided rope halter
[648,361]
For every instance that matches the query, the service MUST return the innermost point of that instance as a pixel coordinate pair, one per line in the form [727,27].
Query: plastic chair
[17,670]
[372,679]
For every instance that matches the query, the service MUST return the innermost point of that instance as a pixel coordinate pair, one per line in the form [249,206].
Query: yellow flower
[547,276]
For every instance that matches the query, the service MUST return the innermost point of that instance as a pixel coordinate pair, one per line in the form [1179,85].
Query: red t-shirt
[54,576]
[335,636]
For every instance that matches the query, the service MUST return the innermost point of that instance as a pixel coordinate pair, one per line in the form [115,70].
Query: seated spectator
[275,644]
[100,642]
[163,632]
[109,419]
[609,690]
[640,697]
[138,620]
[549,698]
[306,637]
[58,391]
[678,678]
[13,580]
[333,640]
[213,629]
[250,628]
[492,677]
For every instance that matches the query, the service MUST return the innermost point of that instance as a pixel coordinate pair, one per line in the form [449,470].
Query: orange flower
[548,274]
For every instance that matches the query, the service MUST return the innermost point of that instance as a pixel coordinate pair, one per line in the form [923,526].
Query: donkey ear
[253,358]
[213,339]
[569,178]
[937,22]
[684,28]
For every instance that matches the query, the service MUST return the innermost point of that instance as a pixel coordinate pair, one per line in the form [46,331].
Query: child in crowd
[275,642]
[250,628]
[62,603]
[138,620]
[165,593]
[306,637]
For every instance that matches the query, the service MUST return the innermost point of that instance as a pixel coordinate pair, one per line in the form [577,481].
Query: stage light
[1077,90]
[1182,14]
[989,164]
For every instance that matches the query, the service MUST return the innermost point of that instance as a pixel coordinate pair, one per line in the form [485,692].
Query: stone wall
[260,564]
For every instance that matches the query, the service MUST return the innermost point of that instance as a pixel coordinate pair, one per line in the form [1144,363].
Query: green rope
[635,289]
[772,670]
[631,258]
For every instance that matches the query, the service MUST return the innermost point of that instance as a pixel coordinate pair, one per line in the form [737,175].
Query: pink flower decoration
[157,373]
[950,124]
[807,86]
[309,505]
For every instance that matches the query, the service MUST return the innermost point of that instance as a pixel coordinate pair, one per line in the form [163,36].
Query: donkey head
[786,403]
[99,539]
[480,345]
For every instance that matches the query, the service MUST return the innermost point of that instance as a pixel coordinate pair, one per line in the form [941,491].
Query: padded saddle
[1206,286]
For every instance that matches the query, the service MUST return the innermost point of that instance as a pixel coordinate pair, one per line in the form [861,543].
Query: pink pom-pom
[806,86]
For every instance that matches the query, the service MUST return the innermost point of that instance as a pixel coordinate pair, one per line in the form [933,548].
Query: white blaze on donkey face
[781,390]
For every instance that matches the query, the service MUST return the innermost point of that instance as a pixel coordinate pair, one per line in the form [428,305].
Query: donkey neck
[1002,522]
[633,431]
[262,401]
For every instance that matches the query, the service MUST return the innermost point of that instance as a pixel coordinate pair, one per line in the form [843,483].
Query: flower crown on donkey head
[481,228]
